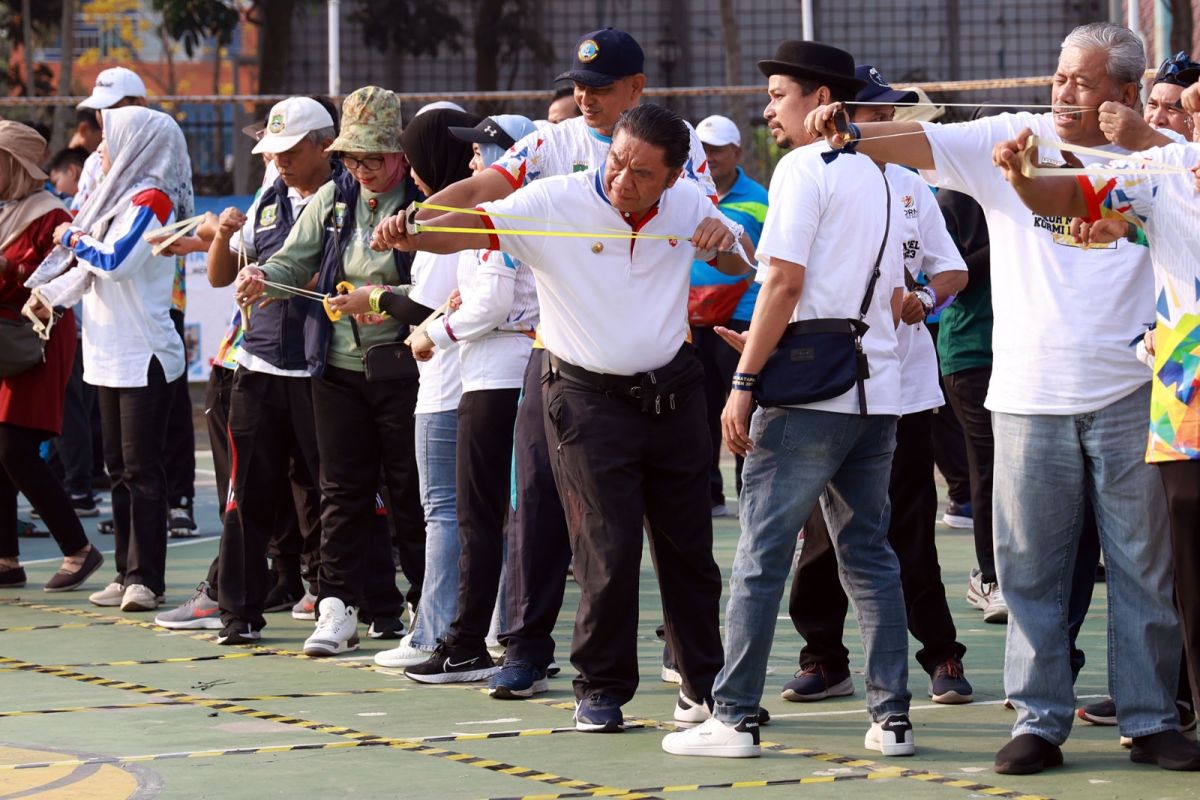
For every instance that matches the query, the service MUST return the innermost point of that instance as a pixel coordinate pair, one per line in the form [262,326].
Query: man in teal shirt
[744,201]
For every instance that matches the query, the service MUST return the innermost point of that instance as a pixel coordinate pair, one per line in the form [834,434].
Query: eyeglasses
[370,163]
[1174,65]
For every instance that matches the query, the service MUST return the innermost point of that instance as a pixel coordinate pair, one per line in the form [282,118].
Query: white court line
[489,721]
[196,540]
[911,708]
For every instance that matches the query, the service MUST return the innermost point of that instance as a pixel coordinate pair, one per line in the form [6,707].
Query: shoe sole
[202,624]
[841,689]
[307,615]
[91,512]
[1027,769]
[136,606]
[976,599]
[238,639]
[668,675]
[1096,719]
[20,585]
[891,750]
[400,634]
[403,663]
[328,648]
[952,698]
[961,523]
[183,534]
[540,686]
[81,579]
[468,676]
[723,751]
[103,603]
[996,617]
[607,727]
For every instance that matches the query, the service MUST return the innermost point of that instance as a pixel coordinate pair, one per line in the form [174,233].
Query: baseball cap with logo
[112,86]
[604,56]
[718,131]
[877,90]
[290,121]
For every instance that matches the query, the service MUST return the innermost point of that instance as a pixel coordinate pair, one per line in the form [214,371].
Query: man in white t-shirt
[827,252]
[1069,405]
[624,409]
[1167,207]
[608,78]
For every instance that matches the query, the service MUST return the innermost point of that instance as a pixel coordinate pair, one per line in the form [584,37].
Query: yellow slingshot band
[608,233]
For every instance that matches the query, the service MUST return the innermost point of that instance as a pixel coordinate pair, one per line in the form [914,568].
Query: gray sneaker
[199,612]
[306,608]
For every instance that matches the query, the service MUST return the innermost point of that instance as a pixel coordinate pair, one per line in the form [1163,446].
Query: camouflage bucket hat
[370,122]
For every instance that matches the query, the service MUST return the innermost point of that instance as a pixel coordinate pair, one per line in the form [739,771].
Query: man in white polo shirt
[827,254]
[624,405]
[1069,407]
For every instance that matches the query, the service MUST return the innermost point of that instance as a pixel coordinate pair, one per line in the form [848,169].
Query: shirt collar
[599,136]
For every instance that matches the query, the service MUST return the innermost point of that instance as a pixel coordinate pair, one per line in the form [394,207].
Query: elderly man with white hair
[1069,406]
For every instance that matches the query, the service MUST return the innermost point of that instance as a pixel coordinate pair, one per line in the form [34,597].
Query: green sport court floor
[97,704]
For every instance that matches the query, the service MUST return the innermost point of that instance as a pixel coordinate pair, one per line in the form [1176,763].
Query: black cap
[488,131]
[813,61]
[878,90]
[605,56]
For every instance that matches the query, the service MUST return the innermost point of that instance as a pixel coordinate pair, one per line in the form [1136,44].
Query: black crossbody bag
[818,359]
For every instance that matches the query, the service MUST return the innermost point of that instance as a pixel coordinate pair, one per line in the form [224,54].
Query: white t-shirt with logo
[1064,315]
[614,306]
[434,277]
[829,218]
[927,247]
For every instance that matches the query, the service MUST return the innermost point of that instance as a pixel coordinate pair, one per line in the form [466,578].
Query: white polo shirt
[926,246]
[613,306]
[829,218]
[440,388]
[1064,314]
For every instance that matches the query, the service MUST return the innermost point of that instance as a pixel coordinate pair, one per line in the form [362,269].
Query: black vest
[339,228]
[276,333]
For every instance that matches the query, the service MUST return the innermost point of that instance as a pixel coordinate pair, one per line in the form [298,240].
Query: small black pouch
[390,361]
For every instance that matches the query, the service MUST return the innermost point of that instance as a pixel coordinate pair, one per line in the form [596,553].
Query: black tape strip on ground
[407,745]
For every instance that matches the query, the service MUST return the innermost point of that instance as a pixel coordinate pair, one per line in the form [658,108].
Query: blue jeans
[1045,465]
[436,437]
[797,454]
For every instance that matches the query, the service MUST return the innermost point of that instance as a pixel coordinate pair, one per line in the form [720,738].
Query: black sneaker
[238,632]
[280,598]
[386,628]
[30,530]
[949,685]
[85,506]
[450,664]
[815,682]
[1101,712]
[180,524]
[12,577]
[1168,749]
[106,527]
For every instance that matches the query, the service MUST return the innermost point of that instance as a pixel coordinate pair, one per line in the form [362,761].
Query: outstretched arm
[1047,195]
[907,144]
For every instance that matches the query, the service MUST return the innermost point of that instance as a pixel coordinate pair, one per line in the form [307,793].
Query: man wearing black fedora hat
[828,236]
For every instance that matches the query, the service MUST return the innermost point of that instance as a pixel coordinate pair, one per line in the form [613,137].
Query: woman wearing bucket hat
[31,401]
[364,427]
[131,350]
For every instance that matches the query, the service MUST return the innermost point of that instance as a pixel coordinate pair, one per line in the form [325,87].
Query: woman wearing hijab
[31,402]
[436,160]
[363,427]
[131,350]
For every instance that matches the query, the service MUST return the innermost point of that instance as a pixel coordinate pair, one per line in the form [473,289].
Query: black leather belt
[626,385]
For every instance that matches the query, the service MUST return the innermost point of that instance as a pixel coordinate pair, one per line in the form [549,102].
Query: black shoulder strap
[887,229]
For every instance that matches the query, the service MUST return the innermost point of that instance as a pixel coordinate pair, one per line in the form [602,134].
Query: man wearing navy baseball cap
[608,76]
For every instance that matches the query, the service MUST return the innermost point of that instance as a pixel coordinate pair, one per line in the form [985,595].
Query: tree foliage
[415,27]
[192,22]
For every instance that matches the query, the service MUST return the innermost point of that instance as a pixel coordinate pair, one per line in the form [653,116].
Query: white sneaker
[139,598]
[976,591]
[689,713]
[715,738]
[996,610]
[403,655]
[336,631]
[108,597]
[893,736]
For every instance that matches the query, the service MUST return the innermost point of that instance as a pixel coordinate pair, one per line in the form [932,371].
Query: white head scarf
[147,150]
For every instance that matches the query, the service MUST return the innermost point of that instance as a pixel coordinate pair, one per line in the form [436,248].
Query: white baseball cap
[436,104]
[718,131]
[290,121]
[112,86]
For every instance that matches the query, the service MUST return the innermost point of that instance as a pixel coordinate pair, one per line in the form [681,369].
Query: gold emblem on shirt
[597,247]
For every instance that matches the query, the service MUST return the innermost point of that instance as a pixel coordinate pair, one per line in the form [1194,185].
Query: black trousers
[949,445]
[538,545]
[216,417]
[965,392]
[180,442]
[483,477]
[619,468]
[273,450]
[818,603]
[720,362]
[364,429]
[73,448]
[22,470]
[1182,482]
[134,421]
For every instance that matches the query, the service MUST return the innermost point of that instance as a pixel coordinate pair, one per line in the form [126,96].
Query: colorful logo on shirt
[579,166]
[1060,232]
[276,124]
[673,242]
[588,51]
[268,217]
[909,203]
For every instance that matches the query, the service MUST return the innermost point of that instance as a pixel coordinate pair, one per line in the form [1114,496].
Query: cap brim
[255,130]
[476,136]
[33,169]
[277,144]
[894,96]
[717,141]
[101,99]
[771,67]
[596,80]
[1186,77]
